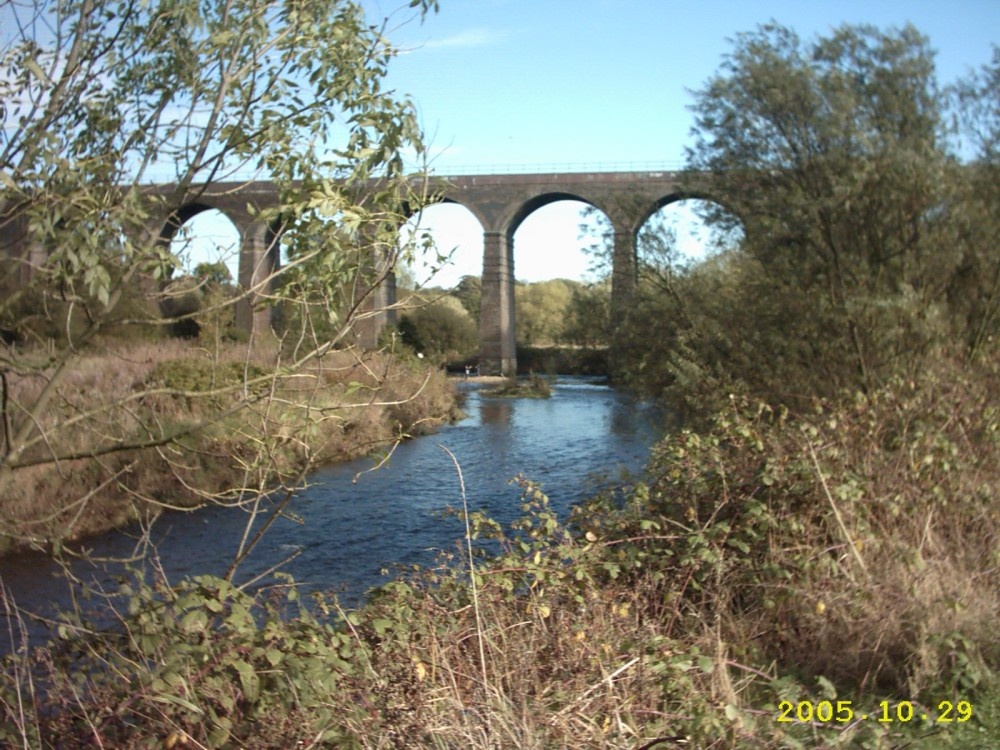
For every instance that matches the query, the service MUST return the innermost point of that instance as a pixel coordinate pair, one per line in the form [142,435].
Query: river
[350,524]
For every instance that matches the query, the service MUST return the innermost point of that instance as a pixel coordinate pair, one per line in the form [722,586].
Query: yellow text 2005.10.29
[844,712]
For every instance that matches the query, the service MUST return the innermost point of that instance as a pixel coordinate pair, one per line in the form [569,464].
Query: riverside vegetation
[845,554]
[811,563]
[104,418]
[344,406]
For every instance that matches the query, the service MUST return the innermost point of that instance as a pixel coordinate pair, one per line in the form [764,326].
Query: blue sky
[523,84]
[582,81]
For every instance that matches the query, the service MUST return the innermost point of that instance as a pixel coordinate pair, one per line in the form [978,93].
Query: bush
[858,542]
[441,330]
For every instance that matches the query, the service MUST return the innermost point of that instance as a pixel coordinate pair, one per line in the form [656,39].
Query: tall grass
[219,423]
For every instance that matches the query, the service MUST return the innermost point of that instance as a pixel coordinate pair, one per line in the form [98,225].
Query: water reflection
[495,411]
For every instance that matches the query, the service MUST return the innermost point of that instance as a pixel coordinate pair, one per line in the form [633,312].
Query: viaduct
[500,202]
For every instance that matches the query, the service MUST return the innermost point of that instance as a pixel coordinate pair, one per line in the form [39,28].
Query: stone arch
[258,257]
[194,212]
[409,211]
[688,196]
[520,212]
[500,202]
[497,326]
[464,217]
[683,195]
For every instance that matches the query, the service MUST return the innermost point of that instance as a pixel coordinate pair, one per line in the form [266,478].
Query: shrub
[847,554]
[441,330]
[857,542]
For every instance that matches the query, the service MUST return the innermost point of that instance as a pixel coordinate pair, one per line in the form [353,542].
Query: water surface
[350,523]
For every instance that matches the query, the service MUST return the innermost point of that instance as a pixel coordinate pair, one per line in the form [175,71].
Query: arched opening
[689,269]
[206,246]
[561,295]
[682,234]
[439,284]
[208,239]
[455,249]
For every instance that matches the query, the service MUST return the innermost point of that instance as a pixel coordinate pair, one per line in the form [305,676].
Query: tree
[100,99]
[442,329]
[214,273]
[541,310]
[975,290]
[588,315]
[469,291]
[977,104]
[829,154]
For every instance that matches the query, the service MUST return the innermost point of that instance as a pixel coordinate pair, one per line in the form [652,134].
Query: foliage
[237,428]
[558,311]
[195,377]
[441,329]
[469,291]
[843,551]
[588,315]
[541,310]
[864,250]
[563,360]
[977,106]
[845,554]
[975,289]
[829,155]
[214,273]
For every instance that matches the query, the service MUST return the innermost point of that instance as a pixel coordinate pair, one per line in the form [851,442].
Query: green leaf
[177,701]
[194,621]
[249,682]
[274,656]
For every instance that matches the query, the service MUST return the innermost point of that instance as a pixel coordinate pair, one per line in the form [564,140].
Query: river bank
[219,425]
[349,524]
[767,570]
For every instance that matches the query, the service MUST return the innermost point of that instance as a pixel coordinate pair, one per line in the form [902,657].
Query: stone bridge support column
[35,258]
[497,347]
[624,273]
[258,261]
[624,279]
[19,246]
[377,310]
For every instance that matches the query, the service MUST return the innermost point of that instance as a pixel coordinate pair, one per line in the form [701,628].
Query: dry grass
[221,421]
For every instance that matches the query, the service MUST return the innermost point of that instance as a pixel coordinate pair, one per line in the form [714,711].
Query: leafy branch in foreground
[101,103]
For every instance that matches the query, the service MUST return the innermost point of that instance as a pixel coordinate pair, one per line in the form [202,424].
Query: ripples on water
[354,522]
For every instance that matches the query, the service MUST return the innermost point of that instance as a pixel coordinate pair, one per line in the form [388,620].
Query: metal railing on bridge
[557,168]
[164,175]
